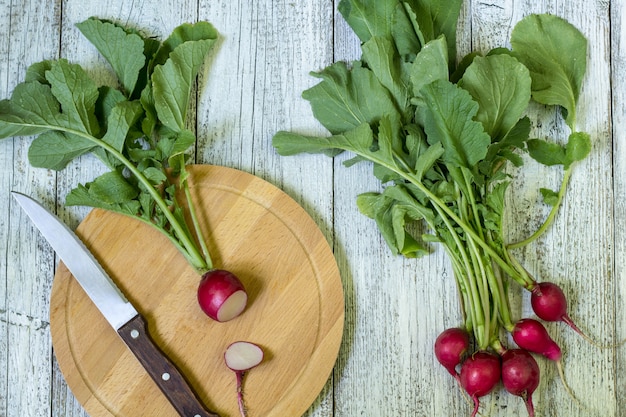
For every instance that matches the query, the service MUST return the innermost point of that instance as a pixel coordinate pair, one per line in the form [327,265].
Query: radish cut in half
[241,357]
[221,295]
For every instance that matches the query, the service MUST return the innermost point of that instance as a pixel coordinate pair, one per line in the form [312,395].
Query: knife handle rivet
[134,333]
[165,376]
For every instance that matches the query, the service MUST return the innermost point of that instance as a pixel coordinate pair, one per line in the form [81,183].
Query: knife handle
[169,379]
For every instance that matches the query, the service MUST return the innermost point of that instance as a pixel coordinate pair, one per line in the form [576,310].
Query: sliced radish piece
[241,357]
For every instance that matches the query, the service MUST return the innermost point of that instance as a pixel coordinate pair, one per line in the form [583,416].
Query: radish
[549,303]
[531,335]
[221,295]
[450,347]
[241,357]
[520,375]
[479,375]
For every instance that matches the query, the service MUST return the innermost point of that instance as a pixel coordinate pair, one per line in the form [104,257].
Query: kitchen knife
[118,311]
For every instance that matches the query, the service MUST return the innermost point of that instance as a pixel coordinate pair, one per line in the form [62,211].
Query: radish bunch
[479,372]
[440,134]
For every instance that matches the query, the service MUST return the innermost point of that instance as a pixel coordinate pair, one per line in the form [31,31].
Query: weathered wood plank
[32,34]
[573,253]
[618,126]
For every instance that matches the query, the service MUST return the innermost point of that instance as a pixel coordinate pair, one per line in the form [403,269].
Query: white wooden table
[394,307]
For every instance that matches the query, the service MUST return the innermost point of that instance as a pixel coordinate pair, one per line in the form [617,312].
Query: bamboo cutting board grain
[295,309]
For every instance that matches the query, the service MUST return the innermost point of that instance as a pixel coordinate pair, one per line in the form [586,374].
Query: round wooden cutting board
[295,310]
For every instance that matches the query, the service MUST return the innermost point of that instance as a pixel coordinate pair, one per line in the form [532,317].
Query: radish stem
[551,216]
[194,218]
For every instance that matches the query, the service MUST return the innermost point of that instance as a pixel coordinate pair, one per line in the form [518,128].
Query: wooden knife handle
[169,379]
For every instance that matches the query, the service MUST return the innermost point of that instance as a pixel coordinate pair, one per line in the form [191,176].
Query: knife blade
[118,311]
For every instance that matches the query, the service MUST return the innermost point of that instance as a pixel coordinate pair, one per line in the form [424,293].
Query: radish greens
[137,128]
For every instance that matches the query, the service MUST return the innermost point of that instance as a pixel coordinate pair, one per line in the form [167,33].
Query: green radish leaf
[288,143]
[37,72]
[369,18]
[109,188]
[405,243]
[546,153]
[436,18]
[406,32]
[185,140]
[428,159]
[172,82]
[32,110]
[500,85]
[390,143]
[382,58]
[555,52]
[415,142]
[367,203]
[187,32]
[503,149]
[358,140]
[430,64]
[391,210]
[108,98]
[383,173]
[462,66]
[577,148]
[122,117]
[112,188]
[124,51]
[77,94]
[449,119]
[81,196]
[54,150]
[149,123]
[176,156]
[348,98]
[154,175]
[380,209]
[550,197]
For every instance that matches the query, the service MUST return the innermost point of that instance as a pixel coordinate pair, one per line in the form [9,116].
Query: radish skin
[531,335]
[240,357]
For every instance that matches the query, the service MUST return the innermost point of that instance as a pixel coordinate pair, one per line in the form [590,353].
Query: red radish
[549,303]
[450,347]
[531,335]
[241,357]
[221,295]
[479,375]
[520,376]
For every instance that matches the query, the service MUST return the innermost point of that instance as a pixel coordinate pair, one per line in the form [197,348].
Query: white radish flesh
[242,356]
